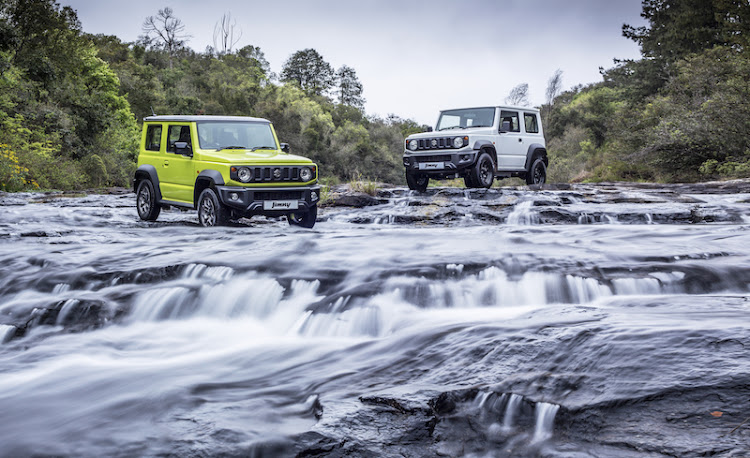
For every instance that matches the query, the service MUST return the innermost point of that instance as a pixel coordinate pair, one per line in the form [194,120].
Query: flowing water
[575,321]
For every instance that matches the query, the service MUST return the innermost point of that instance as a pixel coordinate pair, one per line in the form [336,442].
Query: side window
[531,123]
[178,134]
[511,118]
[153,138]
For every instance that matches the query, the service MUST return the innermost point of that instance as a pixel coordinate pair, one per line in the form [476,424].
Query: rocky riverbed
[568,320]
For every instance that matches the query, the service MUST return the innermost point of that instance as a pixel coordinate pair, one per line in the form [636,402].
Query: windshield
[235,135]
[463,119]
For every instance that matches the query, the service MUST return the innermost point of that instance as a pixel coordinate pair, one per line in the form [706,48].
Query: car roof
[198,118]
[503,107]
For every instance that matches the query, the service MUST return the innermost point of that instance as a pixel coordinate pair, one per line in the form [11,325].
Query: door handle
[166,163]
[520,140]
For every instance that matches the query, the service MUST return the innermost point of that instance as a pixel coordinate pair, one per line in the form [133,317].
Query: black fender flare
[536,150]
[206,179]
[479,145]
[147,172]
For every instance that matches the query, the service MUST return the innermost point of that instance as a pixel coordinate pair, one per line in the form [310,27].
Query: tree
[519,95]
[224,34]
[554,86]
[309,71]
[349,88]
[165,31]
[677,28]
[254,53]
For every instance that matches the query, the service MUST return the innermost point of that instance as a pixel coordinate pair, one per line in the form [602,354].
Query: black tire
[210,210]
[483,174]
[469,181]
[537,173]
[417,182]
[145,201]
[304,219]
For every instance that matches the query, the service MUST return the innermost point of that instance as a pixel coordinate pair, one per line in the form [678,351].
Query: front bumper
[276,201]
[440,164]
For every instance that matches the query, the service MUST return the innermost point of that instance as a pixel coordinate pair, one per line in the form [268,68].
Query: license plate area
[280,205]
[431,165]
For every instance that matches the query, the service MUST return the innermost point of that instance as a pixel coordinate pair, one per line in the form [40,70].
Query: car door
[177,176]
[511,153]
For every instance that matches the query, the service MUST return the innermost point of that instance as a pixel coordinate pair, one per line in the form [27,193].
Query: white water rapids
[491,324]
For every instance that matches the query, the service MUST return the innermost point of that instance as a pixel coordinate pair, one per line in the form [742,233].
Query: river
[571,321]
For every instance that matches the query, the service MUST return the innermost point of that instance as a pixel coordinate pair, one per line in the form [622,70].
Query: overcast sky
[413,57]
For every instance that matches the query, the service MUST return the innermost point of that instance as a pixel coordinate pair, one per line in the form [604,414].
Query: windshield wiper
[263,147]
[452,127]
[231,147]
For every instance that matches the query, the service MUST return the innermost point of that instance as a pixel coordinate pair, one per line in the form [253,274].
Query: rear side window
[511,118]
[531,123]
[153,138]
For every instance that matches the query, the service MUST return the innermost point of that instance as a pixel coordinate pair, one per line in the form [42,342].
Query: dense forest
[71,102]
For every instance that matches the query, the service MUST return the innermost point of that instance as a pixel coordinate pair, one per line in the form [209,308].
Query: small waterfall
[61,288]
[65,310]
[523,215]
[649,218]
[481,398]
[545,421]
[511,410]
[633,286]
[467,194]
[611,219]
[488,401]
[585,218]
[216,273]
[6,332]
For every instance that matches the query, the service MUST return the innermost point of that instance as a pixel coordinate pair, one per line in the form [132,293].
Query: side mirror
[285,147]
[429,128]
[505,126]
[183,148]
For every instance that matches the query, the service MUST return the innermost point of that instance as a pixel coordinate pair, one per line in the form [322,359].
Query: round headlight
[305,174]
[244,174]
[413,145]
[458,142]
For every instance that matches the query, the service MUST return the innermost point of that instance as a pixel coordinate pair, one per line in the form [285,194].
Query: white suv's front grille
[435,143]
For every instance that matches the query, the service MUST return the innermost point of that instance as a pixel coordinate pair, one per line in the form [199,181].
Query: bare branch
[519,95]
[224,34]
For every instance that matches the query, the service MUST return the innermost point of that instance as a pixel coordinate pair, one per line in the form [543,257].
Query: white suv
[478,144]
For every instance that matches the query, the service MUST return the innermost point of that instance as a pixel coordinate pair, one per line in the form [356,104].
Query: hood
[241,156]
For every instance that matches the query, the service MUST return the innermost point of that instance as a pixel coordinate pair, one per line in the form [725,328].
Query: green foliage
[13,176]
[681,113]
[349,88]
[308,70]
[366,186]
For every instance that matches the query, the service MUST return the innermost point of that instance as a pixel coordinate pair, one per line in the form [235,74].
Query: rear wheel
[537,173]
[484,171]
[210,210]
[304,219]
[417,182]
[145,201]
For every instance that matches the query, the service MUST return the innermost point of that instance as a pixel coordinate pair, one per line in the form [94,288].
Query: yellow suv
[228,167]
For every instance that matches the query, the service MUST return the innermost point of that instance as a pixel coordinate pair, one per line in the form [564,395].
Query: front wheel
[537,174]
[210,210]
[484,172]
[417,182]
[145,199]
[304,219]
